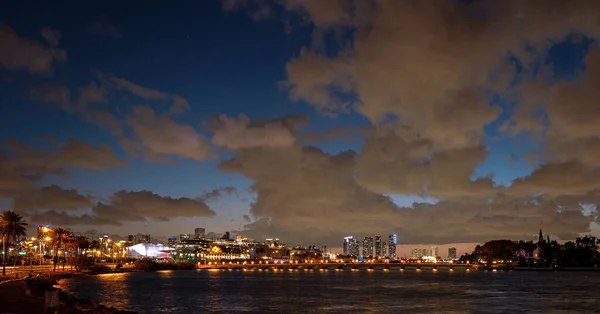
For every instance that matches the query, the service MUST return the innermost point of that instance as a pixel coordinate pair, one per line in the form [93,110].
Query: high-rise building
[392,241]
[172,241]
[383,249]
[346,246]
[367,250]
[199,233]
[434,251]
[354,247]
[351,246]
[452,253]
[378,247]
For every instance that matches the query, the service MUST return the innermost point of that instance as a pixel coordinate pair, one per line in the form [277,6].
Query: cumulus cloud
[179,104]
[424,73]
[237,133]
[52,197]
[142,131]
[160,136]
[23,165]
[389,164]
[142,205]
[308,195]
[218,192]
[29,160]
[19,53]
[57,206]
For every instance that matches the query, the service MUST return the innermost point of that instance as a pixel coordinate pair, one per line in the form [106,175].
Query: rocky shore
[16,300]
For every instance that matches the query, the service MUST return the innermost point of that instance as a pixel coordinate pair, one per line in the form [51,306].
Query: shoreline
[16,300]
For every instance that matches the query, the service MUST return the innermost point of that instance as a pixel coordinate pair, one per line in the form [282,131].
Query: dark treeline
[583,252]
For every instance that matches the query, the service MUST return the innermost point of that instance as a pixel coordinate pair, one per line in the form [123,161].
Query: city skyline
[303,121]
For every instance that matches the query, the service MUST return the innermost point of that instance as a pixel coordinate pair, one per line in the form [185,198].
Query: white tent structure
[149,250]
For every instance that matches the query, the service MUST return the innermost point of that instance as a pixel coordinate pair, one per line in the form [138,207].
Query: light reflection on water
[347,291]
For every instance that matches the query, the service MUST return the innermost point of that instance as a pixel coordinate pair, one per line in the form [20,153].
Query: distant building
[383,249]
[323,248]
[392,242]
[419,253]
[378,246]
[172,241]
[226,236]
[351,246]
[141,238]
[184,236]
[354,248]
[452,253]
[346,245]
[199,233]
[367,249]
[434,251]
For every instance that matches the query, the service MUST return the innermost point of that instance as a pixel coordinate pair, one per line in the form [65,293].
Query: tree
[59,236]
[12,226]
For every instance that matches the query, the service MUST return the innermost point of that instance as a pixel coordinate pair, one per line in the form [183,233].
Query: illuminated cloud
[238,133]
[424,73]
[52,197]
[19,53]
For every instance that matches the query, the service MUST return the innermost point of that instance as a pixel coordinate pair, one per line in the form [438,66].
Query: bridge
[339,266]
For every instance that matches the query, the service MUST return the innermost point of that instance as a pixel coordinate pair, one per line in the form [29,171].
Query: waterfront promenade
[337,266]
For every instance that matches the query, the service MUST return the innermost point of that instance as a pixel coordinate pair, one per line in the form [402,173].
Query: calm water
[311,291]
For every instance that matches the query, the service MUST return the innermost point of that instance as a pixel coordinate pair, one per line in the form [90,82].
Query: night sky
[441,121]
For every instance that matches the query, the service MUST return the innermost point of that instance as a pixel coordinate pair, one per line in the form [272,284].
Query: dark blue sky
[223,62]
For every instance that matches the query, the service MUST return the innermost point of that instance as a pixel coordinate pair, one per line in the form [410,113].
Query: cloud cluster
[68,208]
[141,131]
[432,68]
[20,53]
[424,73]
[238,133]
[23,165]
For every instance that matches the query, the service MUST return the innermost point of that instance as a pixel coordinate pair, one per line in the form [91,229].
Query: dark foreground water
[312,291]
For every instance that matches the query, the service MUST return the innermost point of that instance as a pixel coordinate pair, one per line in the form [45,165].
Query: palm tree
[59,235]
[12,226]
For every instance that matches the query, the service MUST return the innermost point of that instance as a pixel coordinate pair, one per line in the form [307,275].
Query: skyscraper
[354,247]
[346,246]
[392,241]
[367,250]
[199,233]
[434,251]
[452,253]
[383,248]
[378,247]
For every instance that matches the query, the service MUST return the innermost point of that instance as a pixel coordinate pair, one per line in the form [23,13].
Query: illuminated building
[392,241]
[351,246]
[383,249]
[172,241]
[419,253]
[199,233]
[323,248]
[367,249]
[378,246]
[434,252]
[142,238]
[184,236]
[452,253]
[346,247]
